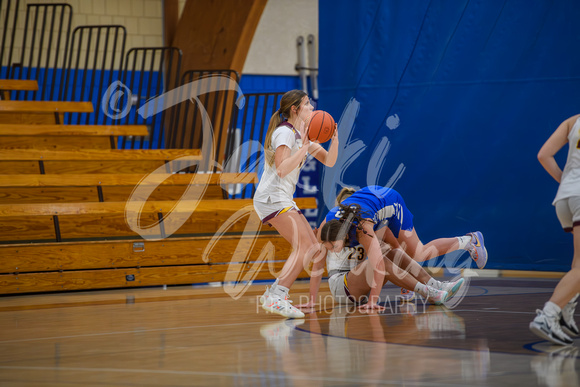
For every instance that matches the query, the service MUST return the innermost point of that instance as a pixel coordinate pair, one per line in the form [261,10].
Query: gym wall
[458,96]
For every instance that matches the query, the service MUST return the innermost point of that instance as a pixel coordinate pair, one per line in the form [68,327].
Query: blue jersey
[382,205]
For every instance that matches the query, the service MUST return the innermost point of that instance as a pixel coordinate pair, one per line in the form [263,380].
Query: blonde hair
[343,194]
[289,99]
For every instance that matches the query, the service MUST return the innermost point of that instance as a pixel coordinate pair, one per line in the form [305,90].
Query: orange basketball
[321,127]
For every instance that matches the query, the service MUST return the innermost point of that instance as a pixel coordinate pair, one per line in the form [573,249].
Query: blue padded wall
[478,86]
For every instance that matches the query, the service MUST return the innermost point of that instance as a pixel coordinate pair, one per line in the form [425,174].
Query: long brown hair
[289,99]
[345,227]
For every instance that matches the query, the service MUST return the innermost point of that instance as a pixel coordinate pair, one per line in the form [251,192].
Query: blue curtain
[459,96]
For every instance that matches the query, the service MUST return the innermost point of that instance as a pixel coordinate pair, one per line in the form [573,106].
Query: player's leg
[472,242]
[295,229]
[568,212]
[358,282]
[548,322]
[574,205]
[556,320]
[567,290]
[410,242]
[404,263]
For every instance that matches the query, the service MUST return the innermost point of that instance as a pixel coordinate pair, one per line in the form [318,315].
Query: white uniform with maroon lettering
[338,265]
[275,194]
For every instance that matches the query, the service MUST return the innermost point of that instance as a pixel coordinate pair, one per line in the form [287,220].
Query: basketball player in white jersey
[556,321]
[286,148]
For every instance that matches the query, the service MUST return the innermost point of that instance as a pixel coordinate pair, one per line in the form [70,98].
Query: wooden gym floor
[200,336]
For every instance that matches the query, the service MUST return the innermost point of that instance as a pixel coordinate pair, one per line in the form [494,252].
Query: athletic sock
[552,309]
[421,289]
[281,291]
[434,283]
[463,241]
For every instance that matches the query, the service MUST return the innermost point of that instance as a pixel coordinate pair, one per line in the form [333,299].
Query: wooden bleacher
[65,137]
[39,112]
[49,267]
[7,85]
[34,161]
[47,222]
[63,212]
[20,189]
[18,84]
[90,261]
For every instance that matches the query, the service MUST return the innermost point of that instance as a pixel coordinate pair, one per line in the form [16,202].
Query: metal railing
[246,139]
[44,44]
[217,100]
[9,15]
[149,72]
[9,12]
[94,60]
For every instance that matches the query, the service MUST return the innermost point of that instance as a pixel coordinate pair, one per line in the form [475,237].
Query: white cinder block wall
[273,50]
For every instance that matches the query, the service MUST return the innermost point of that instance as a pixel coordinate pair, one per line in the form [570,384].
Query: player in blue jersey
[377,218]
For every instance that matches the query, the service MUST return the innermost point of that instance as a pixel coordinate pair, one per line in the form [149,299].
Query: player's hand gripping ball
[321,127]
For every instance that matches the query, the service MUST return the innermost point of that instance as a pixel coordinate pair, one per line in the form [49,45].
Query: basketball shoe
[407,295]
[451,287]
[264,296]
[567,320]
[275,304]
[477,249]
[548,327]
[436,296]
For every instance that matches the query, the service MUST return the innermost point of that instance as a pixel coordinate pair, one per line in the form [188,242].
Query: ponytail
[275,121]
[289,99]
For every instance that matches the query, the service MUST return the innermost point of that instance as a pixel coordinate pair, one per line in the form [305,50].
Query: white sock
[421,289]
[274,284]
[434,283]
[574,298]
[279,290]
[463,241]
[552,309]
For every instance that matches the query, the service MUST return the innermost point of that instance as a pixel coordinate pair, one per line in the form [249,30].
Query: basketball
[321,127]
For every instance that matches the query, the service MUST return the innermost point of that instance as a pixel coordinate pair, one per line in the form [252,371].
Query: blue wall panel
[252,83]
[478,87]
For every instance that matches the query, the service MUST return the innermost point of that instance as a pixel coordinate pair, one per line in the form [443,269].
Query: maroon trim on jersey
[289,125]
[276,213]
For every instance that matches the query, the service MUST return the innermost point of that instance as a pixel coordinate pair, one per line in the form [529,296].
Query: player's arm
[556,141]
[329,157]
[285,162]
